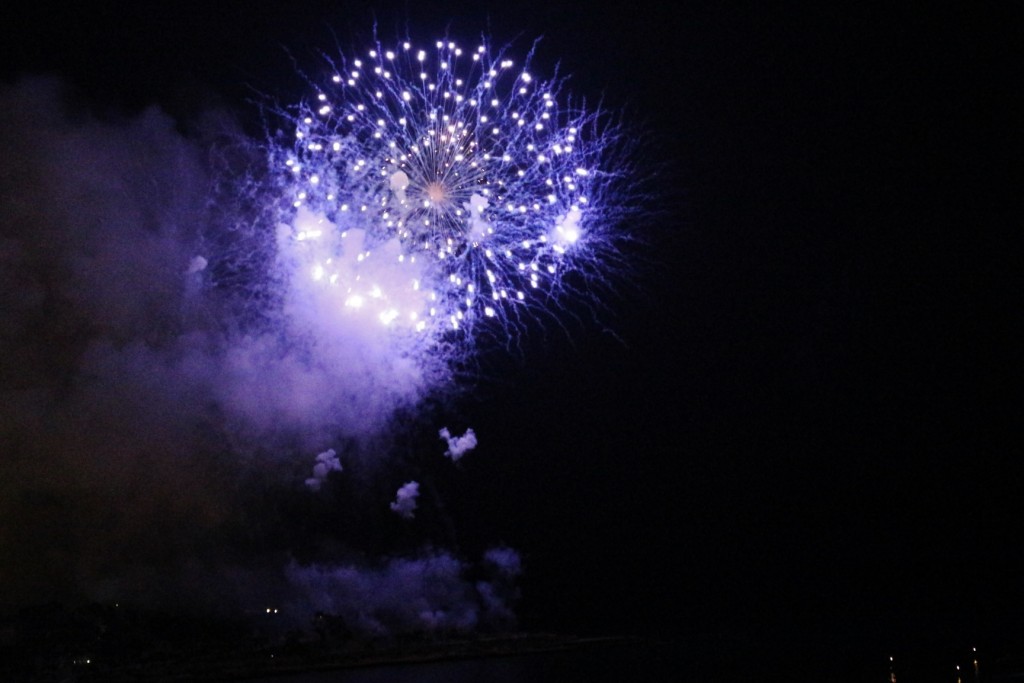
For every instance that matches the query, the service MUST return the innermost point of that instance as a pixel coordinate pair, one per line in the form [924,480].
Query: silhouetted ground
[113,643]
[118,643]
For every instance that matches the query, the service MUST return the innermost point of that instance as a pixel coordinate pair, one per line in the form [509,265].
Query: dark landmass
[113,643]
[117,643]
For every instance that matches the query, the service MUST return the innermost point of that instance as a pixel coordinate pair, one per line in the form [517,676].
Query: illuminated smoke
[326,463]
[458,445]
[499,593]
[426,594]
[405,500]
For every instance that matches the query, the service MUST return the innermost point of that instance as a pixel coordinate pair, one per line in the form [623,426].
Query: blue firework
[435,186]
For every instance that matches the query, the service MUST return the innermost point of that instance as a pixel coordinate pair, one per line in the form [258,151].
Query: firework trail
[432,188]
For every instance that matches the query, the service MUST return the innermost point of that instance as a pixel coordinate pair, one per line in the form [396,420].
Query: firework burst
[432,188]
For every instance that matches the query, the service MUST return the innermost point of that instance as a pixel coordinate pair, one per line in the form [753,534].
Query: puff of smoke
[458,446]
[431,189]
[326,463]
[404,504]
[499,593]
[430,593]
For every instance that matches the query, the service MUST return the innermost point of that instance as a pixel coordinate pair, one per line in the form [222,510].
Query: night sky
[796,414]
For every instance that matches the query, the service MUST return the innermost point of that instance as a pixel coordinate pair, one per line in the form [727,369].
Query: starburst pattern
[433,187]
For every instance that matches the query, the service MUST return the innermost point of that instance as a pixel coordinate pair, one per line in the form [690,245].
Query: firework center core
[436,192]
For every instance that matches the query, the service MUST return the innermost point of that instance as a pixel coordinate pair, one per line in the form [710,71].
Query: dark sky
[806,420]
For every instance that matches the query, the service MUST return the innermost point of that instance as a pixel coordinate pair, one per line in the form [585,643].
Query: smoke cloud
[426,594]
[147,420]
[326,463]
[458,445]
[405,500]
